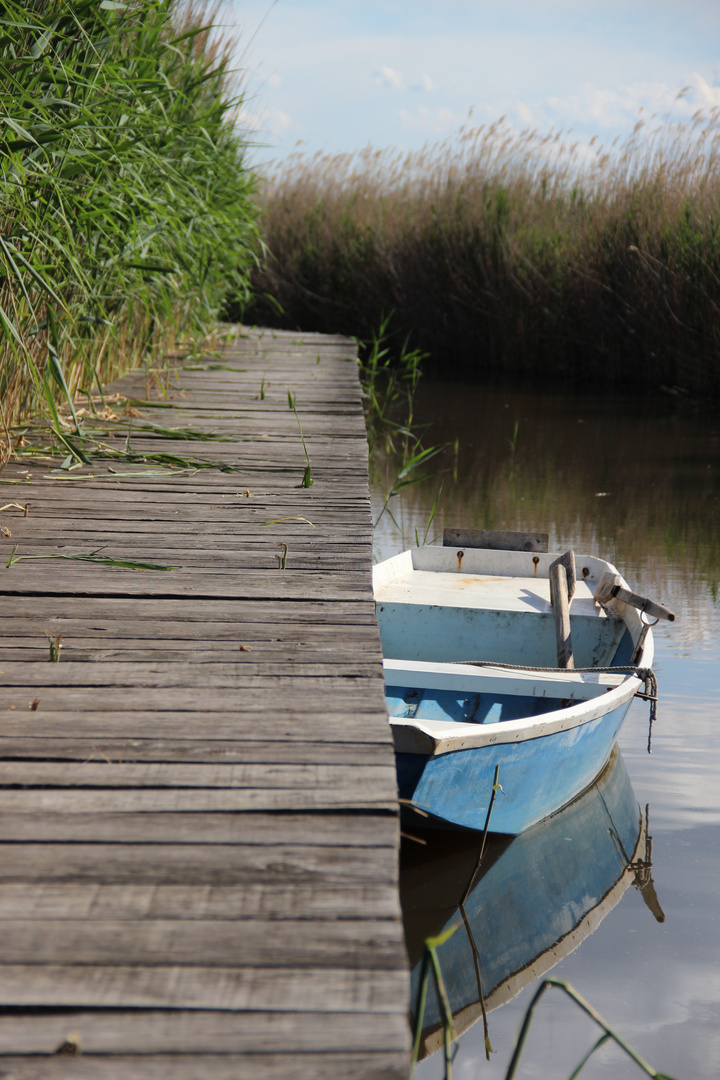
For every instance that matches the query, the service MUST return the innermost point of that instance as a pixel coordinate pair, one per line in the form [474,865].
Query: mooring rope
[645,674]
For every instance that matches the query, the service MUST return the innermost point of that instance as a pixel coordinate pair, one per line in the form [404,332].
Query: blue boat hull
[538,776]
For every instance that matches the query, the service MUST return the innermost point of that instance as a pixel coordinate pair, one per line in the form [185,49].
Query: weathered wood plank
[175,864]
[271,613]
[315,643]
[296,724]
[380,1065]
[280,989]
[192,751]
[497,540]
[120,674]
[193,560]
[285,694]
[277,898]
[560,599]
[275,694]
[372,943]
[92,580]
[331,830]
[97,800]
[156,1032]
[260,777]
[93,652]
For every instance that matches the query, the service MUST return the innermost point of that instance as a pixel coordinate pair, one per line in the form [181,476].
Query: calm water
[637,482]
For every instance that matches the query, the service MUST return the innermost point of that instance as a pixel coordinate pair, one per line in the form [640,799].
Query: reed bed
[125,198]
[510,252]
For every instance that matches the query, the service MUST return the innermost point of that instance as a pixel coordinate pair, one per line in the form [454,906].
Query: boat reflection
[533,900]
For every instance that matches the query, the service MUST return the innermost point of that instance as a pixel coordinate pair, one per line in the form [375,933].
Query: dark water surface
[636,481]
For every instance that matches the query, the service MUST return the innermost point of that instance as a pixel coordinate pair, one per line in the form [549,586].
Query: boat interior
[443,610]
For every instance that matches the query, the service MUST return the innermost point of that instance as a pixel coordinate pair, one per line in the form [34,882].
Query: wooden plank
[382,1065]
[370,943]
[280,989]
[495,540]
[120,674]
[260,778]
[156,1032]
[332,830]
[568,561]
[275,693]
[298,724]
[179,653]
[200,800]
[192,751]
[91,580]
[186,561]
[270,613]
[276,898]
[175,864]
[188,640]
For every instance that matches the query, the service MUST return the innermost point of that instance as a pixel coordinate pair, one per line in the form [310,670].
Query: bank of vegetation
[510,253]
[125,198]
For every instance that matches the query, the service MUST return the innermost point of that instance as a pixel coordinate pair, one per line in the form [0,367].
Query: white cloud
[248,120]
[525,114]
[702,94]
[620,107]
[389,78]
[272,121]
[277,122]
[433,121]
[426,85]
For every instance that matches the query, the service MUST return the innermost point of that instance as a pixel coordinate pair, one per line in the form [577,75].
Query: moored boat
[487,668]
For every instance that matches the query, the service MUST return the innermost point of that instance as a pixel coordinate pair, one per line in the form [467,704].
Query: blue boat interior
[408,702]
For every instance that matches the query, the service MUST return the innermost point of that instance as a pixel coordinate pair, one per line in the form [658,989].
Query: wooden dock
[198,817]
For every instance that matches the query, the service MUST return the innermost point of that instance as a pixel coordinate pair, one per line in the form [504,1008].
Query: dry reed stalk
[510,251]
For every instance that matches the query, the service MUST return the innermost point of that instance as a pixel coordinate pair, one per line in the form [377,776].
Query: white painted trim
[433,737]
[466,678]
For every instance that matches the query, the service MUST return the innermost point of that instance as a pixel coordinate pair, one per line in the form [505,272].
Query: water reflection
[659,522]
[534,900]
[636,481]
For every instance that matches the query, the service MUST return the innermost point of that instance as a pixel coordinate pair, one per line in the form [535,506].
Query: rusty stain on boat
[460,559]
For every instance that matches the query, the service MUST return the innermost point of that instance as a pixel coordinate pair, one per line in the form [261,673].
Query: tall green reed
[389,380]
[125,209]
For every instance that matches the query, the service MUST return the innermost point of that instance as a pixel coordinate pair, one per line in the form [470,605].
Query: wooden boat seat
[468,679]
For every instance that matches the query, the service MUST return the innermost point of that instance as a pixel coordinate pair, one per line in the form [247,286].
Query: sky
[339,76]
